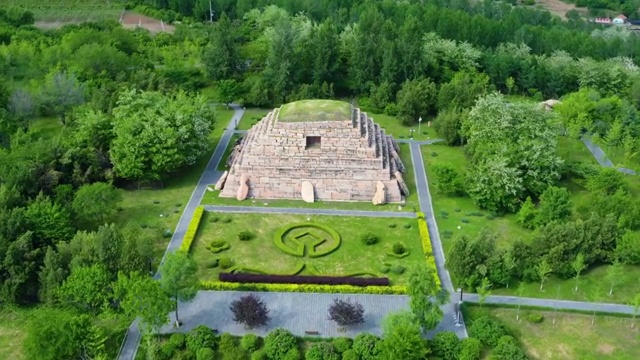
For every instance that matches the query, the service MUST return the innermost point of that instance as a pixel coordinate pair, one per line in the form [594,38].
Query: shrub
[212,264]
[397,269]
[205,354]
[177,340]
[434,154]
[342,344]
[218,246]
[446,345]
[250,310]
[227,220]
[156,202]
[322,351]
[200,337]
[369,239]
[366,346]
[192,230]
[398,249]
[227,344]
[306,288]
[259,355]
[245,235]
[293,354]
[225,262]
[296,279]
[250,342]
[507,348]
[470,349]
[185,355]
[167,233]
[457,209]
[214,219]
[166,351]
[486,330]
[350,355]
[464,220]
[278,343]
[535,318]
[392,226]
[345,312]
[475,213]
[407,226]
[384,269]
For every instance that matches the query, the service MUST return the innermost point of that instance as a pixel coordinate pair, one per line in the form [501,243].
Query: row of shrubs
[306,288]
[295,279]
[192,230]
[426,245]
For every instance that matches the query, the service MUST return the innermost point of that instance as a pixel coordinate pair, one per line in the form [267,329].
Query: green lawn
[315,110]
[262,254]
[616,155]
[13,328]
[411,203]
[393,126]
[571,337]
[459,215]
[251,117]
[574,150]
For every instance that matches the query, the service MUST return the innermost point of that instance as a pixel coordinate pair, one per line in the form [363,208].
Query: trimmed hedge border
[218,249]
[192,230]
[304,288]
[293,279]
[426,245]
[399,256]
[299,250]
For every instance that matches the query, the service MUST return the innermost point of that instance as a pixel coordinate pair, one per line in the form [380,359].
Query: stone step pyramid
[331,144]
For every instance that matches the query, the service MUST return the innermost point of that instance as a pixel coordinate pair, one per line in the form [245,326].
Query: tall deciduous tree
[416,99]
[402,338]
[87,288]
[51,276]
[614,275]
[142,296]
[578,265]
[220,57]
[156,134]
[178,278]
[555,205]
[60,93]
[94,203]
[543,270]
[425,297]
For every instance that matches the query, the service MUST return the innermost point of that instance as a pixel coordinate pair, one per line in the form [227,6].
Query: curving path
[131,340]
[601,157]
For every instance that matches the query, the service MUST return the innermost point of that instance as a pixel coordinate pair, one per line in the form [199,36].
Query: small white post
[419,122]
[162,24]
[139,22]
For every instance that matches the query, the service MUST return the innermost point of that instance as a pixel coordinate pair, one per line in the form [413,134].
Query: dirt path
[131,20]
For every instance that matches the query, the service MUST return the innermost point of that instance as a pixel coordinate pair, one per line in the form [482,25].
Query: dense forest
[131,115]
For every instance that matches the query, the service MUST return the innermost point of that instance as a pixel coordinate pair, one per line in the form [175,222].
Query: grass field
[571,337]
[393,126]
[411,203]
[72,10]
[315,110]
[459,215]
[616,155]
[261,253]
[251,117]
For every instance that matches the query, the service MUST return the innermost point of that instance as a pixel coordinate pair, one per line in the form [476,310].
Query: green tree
[60,93]
[628,248]
[94,203]
[416,99]
[87,288]
[220,57]
[614,275]
[635,302]
[463,90]
[142,296]
[543,270]
[425,297]
[448,181]
[448,125]
[555,205]
[278,343]
[527,214]
[484,290]
[469,256]
[22,108]
[19,270]
[156,134]
[57,334]
[51,276]
[402,338]
[228,91]
[470,349]
[446,345]
[178,278]
[607,181]
[367,346]
[578,265]
[508,349]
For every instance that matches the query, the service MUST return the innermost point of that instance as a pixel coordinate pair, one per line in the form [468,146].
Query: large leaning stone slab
[307,192]
[380,197]
[243,190]
[220,183]
[403,186]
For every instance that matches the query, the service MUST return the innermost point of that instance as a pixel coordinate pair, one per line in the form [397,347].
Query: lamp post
[419,122]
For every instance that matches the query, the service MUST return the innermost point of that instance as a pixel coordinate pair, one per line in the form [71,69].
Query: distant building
[602,20]
[620,19]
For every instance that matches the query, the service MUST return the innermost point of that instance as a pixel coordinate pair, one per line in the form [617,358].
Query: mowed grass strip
[261,253]
[315,110]
[571,337]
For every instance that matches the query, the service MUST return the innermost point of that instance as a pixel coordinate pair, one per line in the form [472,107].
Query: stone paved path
[131,341]
[307,211]
[551,303]
[601,157]
[297,312]
[419,142]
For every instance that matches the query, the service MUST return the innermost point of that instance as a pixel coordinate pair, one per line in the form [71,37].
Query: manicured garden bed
[260,254]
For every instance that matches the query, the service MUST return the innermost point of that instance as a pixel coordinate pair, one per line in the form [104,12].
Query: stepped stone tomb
[316,150]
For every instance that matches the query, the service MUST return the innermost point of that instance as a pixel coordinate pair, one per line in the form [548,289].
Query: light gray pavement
[419,142]
[297,312]
[131,341]
[307,211]
[601,157]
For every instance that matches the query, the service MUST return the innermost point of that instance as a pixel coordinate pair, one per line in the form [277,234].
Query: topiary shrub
[177,340]
[185,355]
[487,330]
[250,342]
[293,354]
[398,249]
[278,343]
[167,233]
[227,220]
[407,226]
[259,355]
[397,269]
[369,239]
[457,209]
[470,349]
[200,337]
[226,344]
[342,344]
[350,355]
[384,269]
[322,351]
[214,219]
[535,318]
[212,264]
[205,354]
[245,235]
[392,226]
[225,262]
[465,220]
[217,246]
[366,346]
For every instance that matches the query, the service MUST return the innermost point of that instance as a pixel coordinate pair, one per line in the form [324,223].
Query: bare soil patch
[131,20]
[559,8]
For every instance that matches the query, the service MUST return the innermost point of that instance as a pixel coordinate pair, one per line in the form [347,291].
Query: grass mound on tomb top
[315,110]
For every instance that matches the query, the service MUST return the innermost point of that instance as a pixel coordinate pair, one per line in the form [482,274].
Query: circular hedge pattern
[300,246]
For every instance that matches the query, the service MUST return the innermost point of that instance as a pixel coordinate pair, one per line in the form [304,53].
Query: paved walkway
[601,157]
[419,142]
[297,312]
[307,211]
[131,341]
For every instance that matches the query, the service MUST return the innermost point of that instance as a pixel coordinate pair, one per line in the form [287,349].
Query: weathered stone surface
[550,104]
[307,192]
[380,197]
[220,183]
[403,186]
[243,189]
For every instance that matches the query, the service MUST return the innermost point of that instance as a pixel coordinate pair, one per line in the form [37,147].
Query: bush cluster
[192,229]
[217,246]
[535,318]
[225,262]
[369,239]
[398,249]
[245,235]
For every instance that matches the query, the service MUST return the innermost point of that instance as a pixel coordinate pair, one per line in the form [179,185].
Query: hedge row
[192,230]
[304,288]
[278,239]
[426,245]
[287,279]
